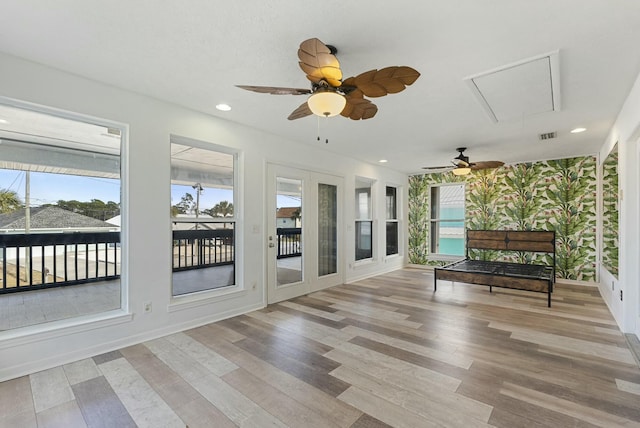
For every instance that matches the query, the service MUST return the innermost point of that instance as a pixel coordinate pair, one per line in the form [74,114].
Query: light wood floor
[385,351]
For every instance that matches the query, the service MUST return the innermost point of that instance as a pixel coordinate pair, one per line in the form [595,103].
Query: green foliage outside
[187,205]
[94,208]
[9,201]
[221,209]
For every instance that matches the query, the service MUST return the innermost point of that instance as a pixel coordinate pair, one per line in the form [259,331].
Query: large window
[392,220]
[447,220]
[59,216]
[202,216]
[364,220]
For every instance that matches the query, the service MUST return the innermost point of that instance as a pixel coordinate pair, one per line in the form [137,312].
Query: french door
[304,236]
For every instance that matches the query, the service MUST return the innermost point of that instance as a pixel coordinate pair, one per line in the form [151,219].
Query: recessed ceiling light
[578,130]
[223,107]
[383,161]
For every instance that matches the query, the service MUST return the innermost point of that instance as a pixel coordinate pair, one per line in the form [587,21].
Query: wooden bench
[530,277]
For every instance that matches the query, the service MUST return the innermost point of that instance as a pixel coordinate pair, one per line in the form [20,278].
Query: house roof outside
[50,217]
[286,212]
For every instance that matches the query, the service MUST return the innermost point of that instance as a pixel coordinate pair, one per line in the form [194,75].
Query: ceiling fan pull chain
[326,140]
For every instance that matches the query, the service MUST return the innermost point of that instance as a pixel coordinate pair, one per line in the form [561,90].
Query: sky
[50,188]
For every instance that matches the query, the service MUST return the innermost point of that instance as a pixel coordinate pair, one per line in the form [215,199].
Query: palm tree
[221,209]
[9,201]
[296,216]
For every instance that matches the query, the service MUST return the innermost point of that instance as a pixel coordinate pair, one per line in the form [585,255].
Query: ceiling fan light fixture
[461,171]
[326,103]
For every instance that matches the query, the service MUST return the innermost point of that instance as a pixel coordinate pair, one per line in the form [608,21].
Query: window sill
[201,298]
[51,330]
[364,262]
[444,258]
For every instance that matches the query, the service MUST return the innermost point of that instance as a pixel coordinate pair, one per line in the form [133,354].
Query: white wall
[147,238]
[626,132]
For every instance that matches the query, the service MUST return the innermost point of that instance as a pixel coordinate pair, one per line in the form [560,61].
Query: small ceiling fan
[329,94]
[460,165]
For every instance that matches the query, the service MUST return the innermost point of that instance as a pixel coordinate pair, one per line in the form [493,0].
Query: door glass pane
[327,229]
[288,230]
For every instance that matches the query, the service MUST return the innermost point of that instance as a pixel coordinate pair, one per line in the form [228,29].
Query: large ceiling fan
[460,165]
[329,94]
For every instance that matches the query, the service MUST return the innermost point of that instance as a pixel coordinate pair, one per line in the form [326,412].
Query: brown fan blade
[274,90]
[486,165]
[300,112]
[317,61]
[438,168]
[378,83]
[359,109]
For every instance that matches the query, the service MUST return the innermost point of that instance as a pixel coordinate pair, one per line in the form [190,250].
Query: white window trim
[204,297]
[372,219]
[438,256]
[397,220]
[52,329]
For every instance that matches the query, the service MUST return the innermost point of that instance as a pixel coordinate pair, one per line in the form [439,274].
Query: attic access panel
[524,88]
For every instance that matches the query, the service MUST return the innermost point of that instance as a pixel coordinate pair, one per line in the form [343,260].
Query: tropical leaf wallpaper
[555,195]
[610,212]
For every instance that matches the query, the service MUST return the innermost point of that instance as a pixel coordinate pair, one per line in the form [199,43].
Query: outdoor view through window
[60,252]
[447,220]
[202,216]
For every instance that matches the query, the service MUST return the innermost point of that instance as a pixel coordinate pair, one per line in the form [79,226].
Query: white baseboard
[372,274]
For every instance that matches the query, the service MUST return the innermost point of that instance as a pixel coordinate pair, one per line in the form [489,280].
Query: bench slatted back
[540,241]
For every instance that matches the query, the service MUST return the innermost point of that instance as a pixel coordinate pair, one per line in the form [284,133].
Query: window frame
[189,300]
[59,328]
[359,221]
[435,222]
[394,219]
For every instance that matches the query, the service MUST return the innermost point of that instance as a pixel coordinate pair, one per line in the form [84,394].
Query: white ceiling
[193,52]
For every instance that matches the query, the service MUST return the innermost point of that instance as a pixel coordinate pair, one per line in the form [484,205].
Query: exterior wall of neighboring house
[146,226]
[287,217]
[286,222]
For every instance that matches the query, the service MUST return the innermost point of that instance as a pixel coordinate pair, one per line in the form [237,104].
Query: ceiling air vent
[547,136]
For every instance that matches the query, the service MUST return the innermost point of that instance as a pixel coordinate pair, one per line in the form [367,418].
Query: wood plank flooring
[386,351]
